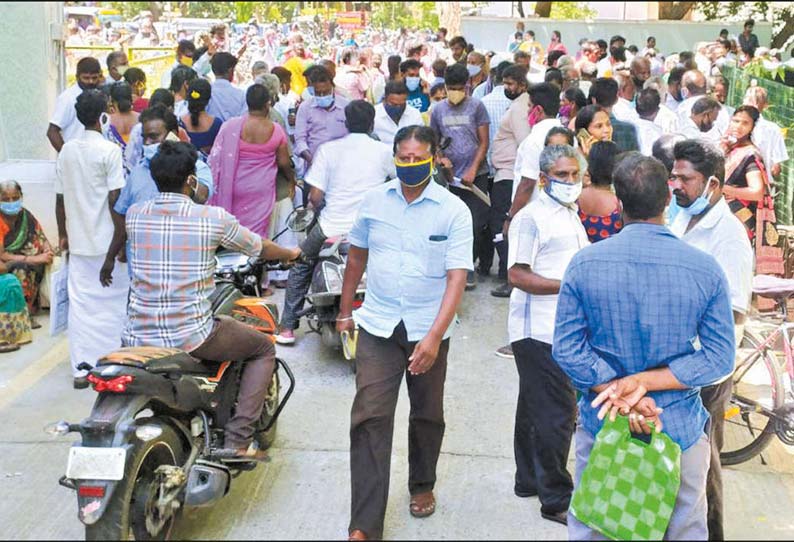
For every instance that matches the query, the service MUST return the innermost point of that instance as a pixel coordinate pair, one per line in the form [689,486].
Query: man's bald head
[694,82]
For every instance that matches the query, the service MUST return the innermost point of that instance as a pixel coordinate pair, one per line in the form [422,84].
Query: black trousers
[714,399]
[479,214]
[501,200]
[380,366]
[545,419]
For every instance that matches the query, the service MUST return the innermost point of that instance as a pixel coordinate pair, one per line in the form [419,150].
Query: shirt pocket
[435,264]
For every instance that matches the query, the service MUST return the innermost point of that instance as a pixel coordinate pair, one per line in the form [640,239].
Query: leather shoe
[502,291]
[525,493]
[80,383]
[357,534]
[556,517]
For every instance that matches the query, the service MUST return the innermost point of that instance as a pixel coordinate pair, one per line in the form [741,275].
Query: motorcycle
[151,443]
[325,291]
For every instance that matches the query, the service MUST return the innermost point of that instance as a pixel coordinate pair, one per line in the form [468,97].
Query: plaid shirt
[172,244]
[669,307]
[496,104]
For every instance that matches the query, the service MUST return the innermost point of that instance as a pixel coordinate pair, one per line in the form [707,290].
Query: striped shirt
[172,244]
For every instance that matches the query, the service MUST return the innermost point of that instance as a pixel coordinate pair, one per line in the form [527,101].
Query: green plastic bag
[628,489]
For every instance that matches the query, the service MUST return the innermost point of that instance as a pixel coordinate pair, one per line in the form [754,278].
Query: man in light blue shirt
[415,239]
[227,101]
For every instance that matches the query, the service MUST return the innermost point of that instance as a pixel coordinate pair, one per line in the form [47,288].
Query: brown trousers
[231,340]
[380,365]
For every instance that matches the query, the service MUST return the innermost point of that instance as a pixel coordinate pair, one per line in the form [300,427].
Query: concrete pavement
[304,492]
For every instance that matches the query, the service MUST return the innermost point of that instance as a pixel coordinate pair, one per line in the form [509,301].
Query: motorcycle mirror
[300,219]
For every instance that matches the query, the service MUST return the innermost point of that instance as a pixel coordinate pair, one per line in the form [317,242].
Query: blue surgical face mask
[310,90]
[11,207]
[149,151]
[563,192]
[700,204]
[412,83]
[415,174]
[474,69]
[324,101]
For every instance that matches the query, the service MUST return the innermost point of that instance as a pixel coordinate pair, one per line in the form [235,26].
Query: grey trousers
[300,278]
[688,521]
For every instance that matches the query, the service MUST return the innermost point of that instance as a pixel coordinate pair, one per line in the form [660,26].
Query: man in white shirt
[544,236]
[117,64]
[701,123]
[706,222]
[767,135]
[665,119]
[648,105]
[64,125]
[394,113]
[623,109]
[694,87]
[342,172]
[89,179]
[544,104]
[674,97]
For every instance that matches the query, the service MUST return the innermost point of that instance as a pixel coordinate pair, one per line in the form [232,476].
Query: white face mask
[563,192]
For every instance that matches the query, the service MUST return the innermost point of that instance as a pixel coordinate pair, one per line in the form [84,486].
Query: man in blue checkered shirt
[643,322]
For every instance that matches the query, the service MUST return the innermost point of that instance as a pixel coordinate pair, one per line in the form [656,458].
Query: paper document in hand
[457,183]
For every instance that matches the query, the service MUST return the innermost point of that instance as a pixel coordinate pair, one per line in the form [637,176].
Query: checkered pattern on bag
[628,489]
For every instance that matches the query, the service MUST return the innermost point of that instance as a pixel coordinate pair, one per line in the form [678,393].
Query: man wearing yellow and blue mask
[415,240]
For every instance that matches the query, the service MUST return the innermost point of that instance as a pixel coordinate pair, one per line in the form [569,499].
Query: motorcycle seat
[158,360]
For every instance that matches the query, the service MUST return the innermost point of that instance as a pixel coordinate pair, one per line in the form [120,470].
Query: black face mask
[638,83]
[513,95]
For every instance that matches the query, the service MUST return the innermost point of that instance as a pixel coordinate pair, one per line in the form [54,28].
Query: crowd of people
[624,205]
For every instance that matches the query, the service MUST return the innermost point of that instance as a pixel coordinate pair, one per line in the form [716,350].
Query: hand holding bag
[629,487]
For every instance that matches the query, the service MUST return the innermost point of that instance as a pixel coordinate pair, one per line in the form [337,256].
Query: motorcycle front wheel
[131,505]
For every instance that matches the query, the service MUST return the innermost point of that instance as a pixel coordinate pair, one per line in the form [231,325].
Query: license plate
[96,463]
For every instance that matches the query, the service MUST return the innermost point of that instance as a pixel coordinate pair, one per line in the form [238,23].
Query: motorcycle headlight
[333,279]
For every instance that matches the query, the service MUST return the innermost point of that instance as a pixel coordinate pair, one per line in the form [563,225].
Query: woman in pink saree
[247,154]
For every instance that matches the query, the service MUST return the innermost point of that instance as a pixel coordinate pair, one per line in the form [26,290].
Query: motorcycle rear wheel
[124,519]
[266,439]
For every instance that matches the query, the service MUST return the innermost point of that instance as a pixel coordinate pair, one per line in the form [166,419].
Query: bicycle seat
[773,287]
[158,360]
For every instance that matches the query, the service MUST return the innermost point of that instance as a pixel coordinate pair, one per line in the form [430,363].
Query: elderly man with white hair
[665,119]
[767,135]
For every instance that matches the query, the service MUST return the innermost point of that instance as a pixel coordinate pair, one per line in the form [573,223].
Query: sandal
[6,346]
[35,324]
[242,454]
[423,505]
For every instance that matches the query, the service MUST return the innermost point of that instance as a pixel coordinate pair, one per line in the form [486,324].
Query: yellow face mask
[456,96]
[186,61]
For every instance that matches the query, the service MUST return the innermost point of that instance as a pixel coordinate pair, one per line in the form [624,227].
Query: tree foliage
[780,13]
[404,14]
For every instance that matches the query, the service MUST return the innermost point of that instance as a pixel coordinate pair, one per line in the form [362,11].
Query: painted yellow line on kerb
[35,372]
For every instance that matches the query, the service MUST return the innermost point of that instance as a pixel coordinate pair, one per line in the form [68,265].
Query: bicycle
[762,402]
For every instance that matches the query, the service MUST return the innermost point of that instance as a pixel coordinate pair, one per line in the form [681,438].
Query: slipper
[34,324]
[6,346]
[423,505]
[242,454]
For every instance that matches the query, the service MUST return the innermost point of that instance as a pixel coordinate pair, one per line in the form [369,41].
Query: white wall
[491,33]
[29,82]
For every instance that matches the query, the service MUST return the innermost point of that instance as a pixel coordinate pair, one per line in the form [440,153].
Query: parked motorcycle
[150,445]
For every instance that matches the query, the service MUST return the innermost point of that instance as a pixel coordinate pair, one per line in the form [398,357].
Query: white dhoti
[96,314]
[278,222]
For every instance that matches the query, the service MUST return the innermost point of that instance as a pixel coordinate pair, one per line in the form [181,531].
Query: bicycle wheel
[758,380]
